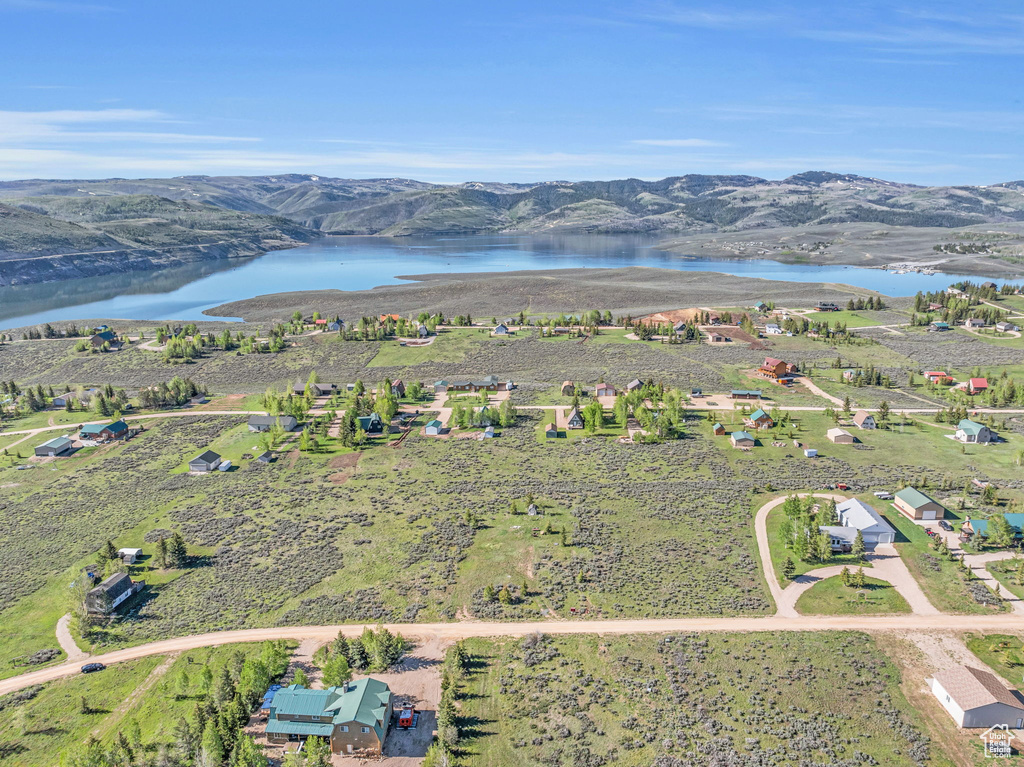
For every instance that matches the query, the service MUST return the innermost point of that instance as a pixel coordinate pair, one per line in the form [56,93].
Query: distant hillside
[48,238]
[680,204]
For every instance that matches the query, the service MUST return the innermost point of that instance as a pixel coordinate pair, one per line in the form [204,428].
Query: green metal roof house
[354,717]
[973,432]
[1016,521]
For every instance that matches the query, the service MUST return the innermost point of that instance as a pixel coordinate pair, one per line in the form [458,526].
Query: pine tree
[788,569]
[844,576]
[859,549]
[161,552]
[489,593]
[177,552]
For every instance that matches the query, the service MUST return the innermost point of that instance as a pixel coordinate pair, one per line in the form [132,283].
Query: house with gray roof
[858,515]
[488,383]
[205,461]
[840,538]
[261,423]
[111,593]
[354,718]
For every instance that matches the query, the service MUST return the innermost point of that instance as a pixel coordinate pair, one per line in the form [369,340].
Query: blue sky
[928,93]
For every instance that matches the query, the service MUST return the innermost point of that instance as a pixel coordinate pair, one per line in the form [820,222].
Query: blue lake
[357,263]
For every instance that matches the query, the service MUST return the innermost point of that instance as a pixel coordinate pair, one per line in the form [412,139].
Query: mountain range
[235,215]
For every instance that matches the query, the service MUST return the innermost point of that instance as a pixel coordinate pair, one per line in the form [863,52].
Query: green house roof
[967,426]
[738,435]
[717,426]
[758,414]
[436,423]
[366,701]
[913,498]
[93,428]
[1016,521]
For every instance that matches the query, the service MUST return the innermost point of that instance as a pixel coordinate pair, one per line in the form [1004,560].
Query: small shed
[810,452]
[551,431]
[266,457]
[129,556]
[205,461]
[741,439]
[839,436]
[568,388]
[433,428]
[487,433]
[718,430]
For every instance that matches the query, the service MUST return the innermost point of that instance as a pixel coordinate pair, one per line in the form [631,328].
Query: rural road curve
[451,632]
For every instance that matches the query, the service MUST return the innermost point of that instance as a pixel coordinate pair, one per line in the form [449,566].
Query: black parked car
[945,525]
[88,668]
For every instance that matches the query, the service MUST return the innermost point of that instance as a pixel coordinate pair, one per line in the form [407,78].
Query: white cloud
[68,125]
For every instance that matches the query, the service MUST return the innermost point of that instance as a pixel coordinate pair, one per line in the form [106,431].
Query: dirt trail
[67,642]
[136,695]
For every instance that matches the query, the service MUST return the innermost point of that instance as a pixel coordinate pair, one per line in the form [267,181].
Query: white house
[976,698]
[772,329]
[969,431]
[855,513]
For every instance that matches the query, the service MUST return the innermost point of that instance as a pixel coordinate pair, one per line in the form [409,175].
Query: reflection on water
[357,263]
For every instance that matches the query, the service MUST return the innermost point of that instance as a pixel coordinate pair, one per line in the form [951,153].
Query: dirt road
[450,632]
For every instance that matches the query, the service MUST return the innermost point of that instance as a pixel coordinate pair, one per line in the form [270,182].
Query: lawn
[831,597]
[941,580]
[449,345]
[1003,653]
[634,701]
[780,553]
[152,693]
[856,319]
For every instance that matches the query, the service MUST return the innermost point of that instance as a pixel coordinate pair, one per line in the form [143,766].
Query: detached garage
[916,505]
[55,447]
[977,699]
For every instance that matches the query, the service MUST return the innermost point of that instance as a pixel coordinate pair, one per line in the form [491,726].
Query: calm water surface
[357,263]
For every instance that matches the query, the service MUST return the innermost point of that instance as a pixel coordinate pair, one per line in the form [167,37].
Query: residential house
[718,430]
[354,718]
[935,307]
[841,539]
[938,327]
[199,399]
[773,368]
[862,419]
[321,323]
[849,375]
[760,306]
[371,424]
[1002,327]
[316,389]
[392,317]
[977,699]
[826,306]
[980,526]
[62,400]
[874,529]
[974,322]
[635,384]
[433,428]
[105,337]
[977,385]
[104,432]
[551,431]
[914,504]
[568,388]
[111,594]
[574,420]
[488,383]
[937,376]
[741,439]
[772,329]
[679,327]
[759,420]
[991,285]
[205,461]
[335,327]
[129,556]
[604,390]
[501,329]
[840,436]
[745,394]
[972,432]
[423,331]
[398,388]
[56,446]
[261,423]
[718,338]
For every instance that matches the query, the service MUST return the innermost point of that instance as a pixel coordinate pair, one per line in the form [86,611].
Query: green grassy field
[642,700]
[144,698]
[1003,653]
[831,597]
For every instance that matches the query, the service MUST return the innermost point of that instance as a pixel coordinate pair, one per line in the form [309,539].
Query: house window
[344,728]
[364,730]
